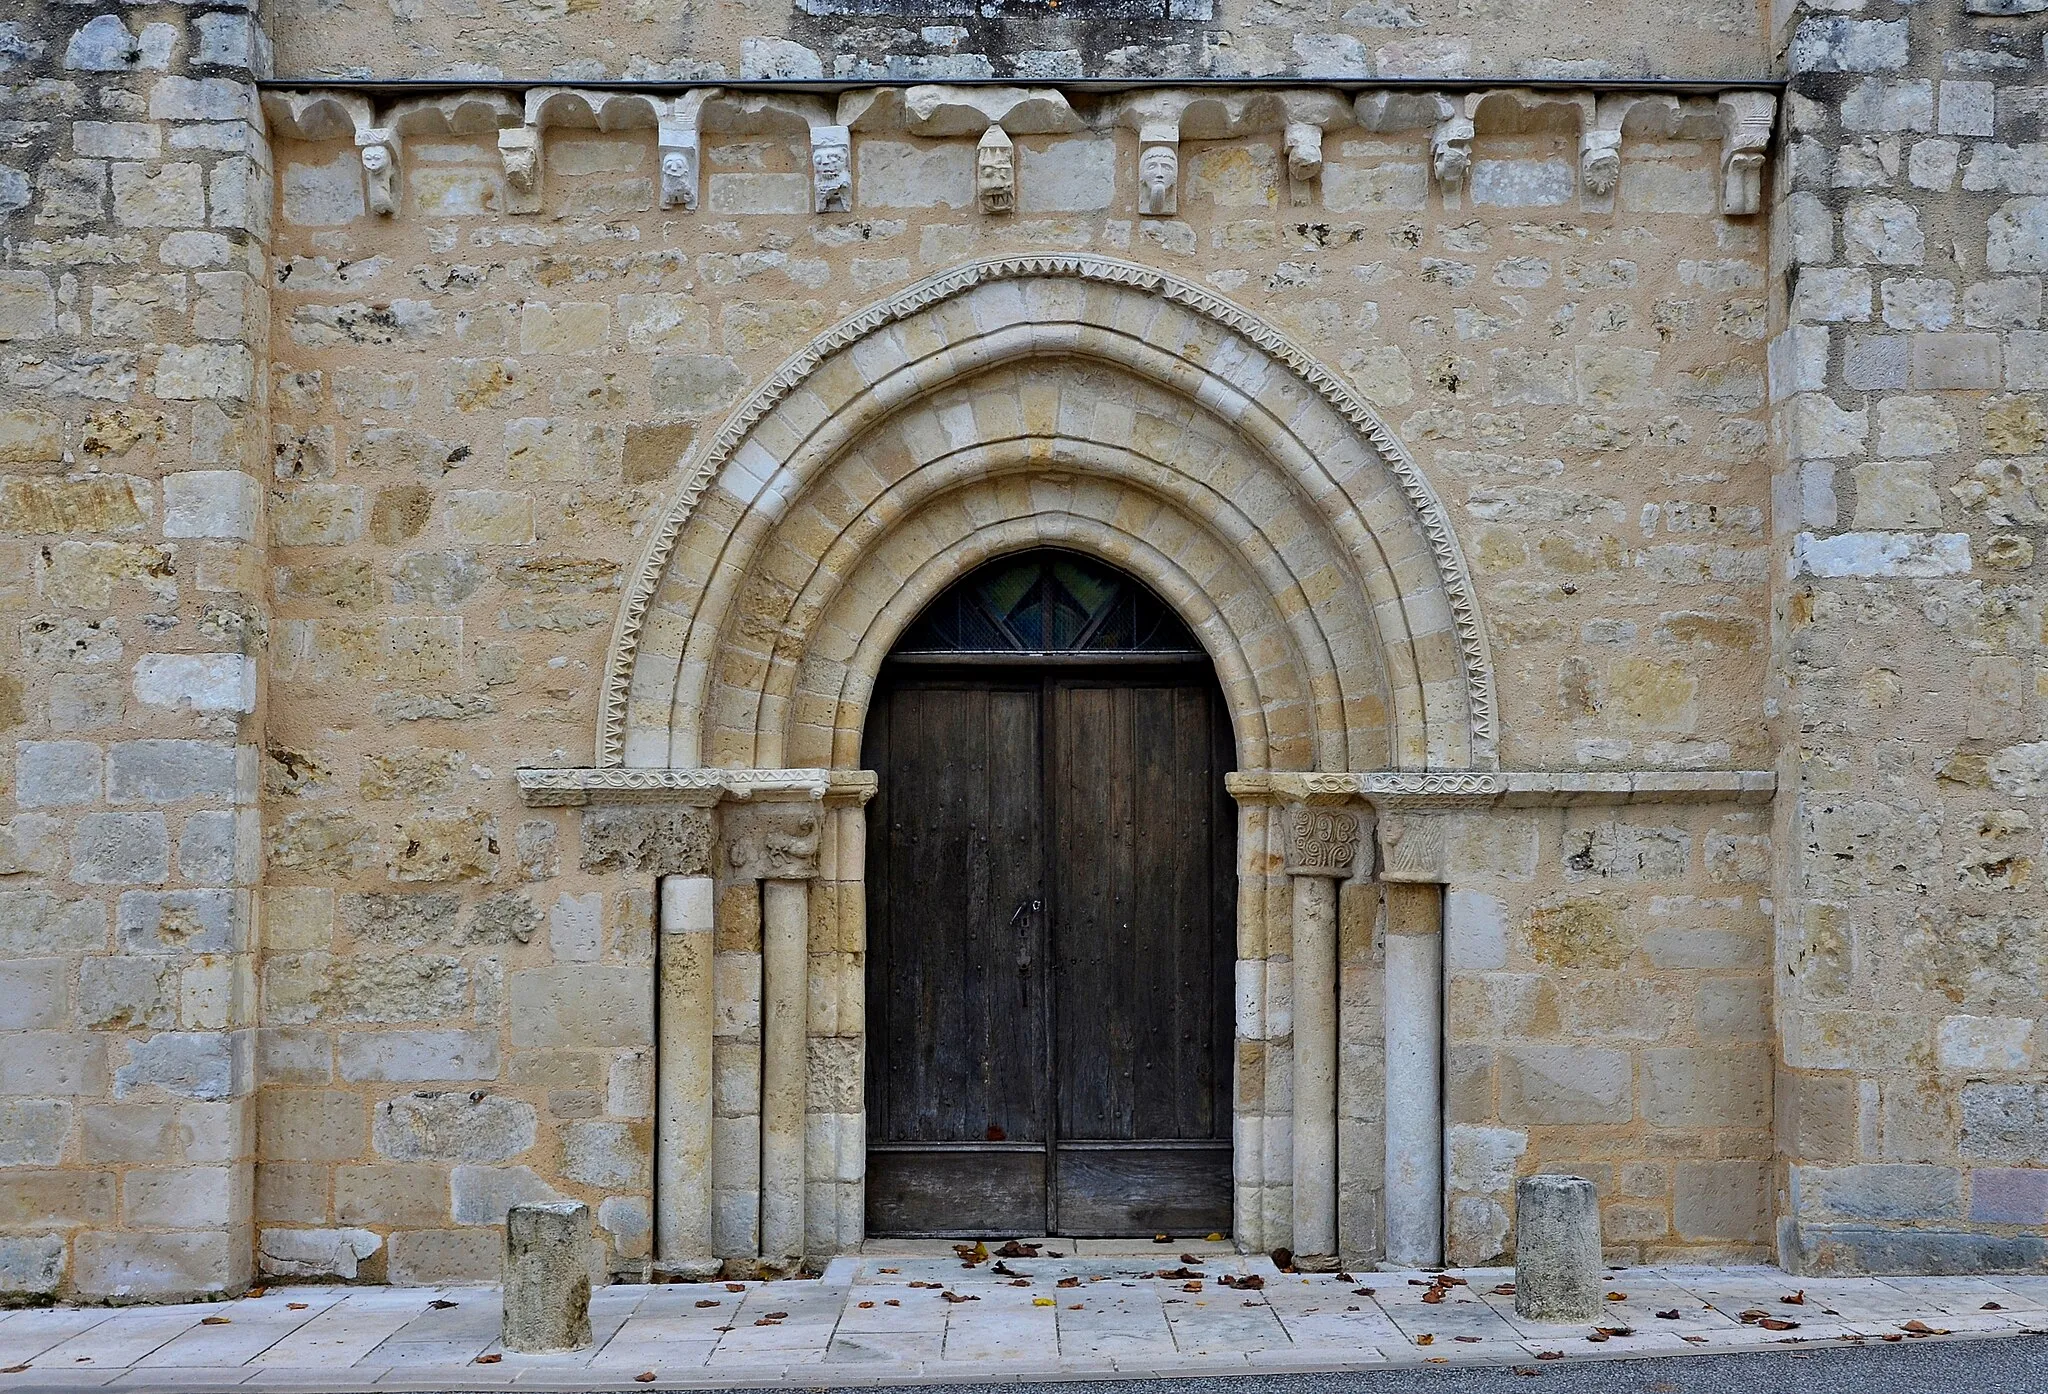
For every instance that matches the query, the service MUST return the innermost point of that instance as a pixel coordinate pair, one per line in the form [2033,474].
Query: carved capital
[1304,161]
[1412,848]
[1321,841]
[771,841]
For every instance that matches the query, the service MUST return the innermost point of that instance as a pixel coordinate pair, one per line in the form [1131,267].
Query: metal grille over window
[1047,602]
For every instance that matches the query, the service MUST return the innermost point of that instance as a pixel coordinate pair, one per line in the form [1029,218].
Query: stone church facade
[467,473]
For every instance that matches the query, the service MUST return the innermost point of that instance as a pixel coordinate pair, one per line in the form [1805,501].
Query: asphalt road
[2004,1365]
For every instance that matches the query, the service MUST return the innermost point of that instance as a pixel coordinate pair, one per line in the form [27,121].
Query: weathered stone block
[582,1005]
[121,848]
[430,1126]
[663,841]
[1558,1276]
[1565,1084]
[417,1056]
[547,1277]
[483,1195]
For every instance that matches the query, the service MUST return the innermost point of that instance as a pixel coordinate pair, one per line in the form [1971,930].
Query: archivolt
[1264,463]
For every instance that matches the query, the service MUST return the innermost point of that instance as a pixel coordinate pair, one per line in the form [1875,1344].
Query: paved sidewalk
[918,1317]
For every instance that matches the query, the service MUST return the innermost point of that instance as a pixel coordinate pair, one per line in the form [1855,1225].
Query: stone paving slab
[919,1315]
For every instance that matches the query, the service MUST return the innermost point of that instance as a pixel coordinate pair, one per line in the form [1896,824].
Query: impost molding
[1455,789]
[560,787]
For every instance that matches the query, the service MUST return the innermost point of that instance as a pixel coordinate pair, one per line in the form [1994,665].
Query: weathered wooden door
[1050,941]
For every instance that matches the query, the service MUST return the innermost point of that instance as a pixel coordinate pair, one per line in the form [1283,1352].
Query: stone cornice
[1456,789]
[558,787]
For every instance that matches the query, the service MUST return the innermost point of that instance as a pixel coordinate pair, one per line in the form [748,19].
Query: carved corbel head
[1304,161]
[832,169]
[1600,161]
[1746,119]
[1159,180]
[1450,151]
[520,148]
[377,146]
[677,140]
[995,171]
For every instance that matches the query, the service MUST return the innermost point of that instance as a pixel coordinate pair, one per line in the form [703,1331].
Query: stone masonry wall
[477,414]
[1910,238]
[1608,1015]
[136,192]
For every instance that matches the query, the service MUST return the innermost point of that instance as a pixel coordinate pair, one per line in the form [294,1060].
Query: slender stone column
[683,1073]
[1315,1071]
[777,844]
[1321,849]
[785,995]
[1411,864]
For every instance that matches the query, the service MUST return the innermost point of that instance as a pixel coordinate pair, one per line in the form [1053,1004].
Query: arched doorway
[1051,913]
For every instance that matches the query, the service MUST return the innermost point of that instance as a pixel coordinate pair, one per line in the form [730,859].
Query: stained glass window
[1047,602]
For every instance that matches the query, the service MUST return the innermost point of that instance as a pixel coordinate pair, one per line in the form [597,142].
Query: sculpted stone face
[1158,173]
[829,172]
[1600,161]
[678,179]
[995,179]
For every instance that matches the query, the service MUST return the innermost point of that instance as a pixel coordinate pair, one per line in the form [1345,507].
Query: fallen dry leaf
[866,1305]
[1917,1327]
[1550,1355]
[1433,1296]
[1991,1307]
[1043,1302]
[644,1377]
[735,1287]
[295,1306]
[707,1302]
[487,1359]
[1425,1339]
[1068,1283]
[1504,1290]
[1778,1324]
[959,1297]
[215,1321]
[892,1270]
[763,1321]
[1616,1330]
[1365,1292]
[1597,1336]
[1694,1340]
[256,1292]
[13,1370]
[1527,1372]
[440,1304]
[1162,1239]
[1891,1336]
[1617,1297]
[1020,1282]
[1794,1299]
[891,1302]
[1466,1340]
[1015,1249]
[1669,1314]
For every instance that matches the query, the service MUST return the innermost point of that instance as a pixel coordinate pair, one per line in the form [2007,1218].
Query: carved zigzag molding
[1450,561]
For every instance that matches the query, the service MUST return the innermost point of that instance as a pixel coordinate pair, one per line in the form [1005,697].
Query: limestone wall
[477,414]
[136,190]
[943,40]
[1608,981]
[1906,375]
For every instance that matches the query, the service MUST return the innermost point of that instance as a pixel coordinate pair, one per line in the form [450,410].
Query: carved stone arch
[730,578]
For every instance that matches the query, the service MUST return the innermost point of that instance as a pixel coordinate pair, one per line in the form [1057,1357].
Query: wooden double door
[1051,936]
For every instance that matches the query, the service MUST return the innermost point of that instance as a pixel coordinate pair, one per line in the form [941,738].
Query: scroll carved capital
[772,841]
[1321,841]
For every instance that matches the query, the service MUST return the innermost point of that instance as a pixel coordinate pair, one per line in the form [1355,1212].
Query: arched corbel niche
[1198,447]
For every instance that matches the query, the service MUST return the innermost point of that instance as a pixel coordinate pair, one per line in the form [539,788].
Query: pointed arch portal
[1117,413]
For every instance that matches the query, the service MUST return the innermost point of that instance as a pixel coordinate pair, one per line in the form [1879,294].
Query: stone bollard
[1558,1276]
[547,1277]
